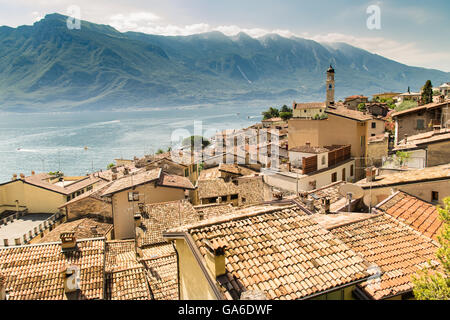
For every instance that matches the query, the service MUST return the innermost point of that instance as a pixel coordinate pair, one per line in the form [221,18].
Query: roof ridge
[231,217]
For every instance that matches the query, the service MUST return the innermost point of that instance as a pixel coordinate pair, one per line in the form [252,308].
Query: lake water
[46,142]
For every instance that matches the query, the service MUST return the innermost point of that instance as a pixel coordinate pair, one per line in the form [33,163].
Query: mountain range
[47,66]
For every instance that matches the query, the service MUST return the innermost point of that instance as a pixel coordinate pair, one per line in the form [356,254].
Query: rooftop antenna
[351,192]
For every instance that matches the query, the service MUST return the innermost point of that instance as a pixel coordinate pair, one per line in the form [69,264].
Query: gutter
[336,288]
[198,257]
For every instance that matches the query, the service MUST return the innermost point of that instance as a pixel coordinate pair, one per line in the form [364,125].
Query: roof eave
[198,257]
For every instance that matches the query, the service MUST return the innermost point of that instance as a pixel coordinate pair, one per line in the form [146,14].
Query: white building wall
[287,180]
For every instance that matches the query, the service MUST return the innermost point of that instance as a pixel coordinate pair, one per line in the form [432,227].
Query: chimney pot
[310,204]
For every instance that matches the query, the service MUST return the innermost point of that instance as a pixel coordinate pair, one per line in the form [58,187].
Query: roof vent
[68,241]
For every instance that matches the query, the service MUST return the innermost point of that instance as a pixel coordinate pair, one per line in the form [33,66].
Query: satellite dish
[370,200]
[355,192]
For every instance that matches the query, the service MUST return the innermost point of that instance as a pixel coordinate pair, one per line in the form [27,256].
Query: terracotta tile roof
[236,169]
[120,254]
[41,180]
[120,172]
[161,263]
[348,113]
[126,277]
[174,181]
[153,276]
[84,228]
[334,220]
[214,209]
[163,216]
[419,108]
[410,176]
[423,139]
[355,97]
[94,194]
[33,272]
[331,191]
[420,215]
[127,284]
[133,180]
[210,184]
[308,105]
[280,251]
[273,120]
[390,245]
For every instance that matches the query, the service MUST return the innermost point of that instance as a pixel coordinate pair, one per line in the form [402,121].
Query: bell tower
[330,87]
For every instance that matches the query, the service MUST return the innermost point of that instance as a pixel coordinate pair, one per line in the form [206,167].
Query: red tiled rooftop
[421,215]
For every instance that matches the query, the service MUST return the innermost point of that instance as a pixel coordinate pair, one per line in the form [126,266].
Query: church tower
[330,86]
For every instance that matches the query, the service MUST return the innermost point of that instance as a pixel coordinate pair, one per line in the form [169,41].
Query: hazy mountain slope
[49,66]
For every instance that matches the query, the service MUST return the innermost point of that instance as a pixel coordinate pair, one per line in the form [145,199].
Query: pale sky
[412,32]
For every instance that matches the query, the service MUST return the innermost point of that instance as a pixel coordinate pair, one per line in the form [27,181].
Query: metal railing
[31,234]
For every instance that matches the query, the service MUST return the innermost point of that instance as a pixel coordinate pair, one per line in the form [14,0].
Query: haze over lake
[56,141]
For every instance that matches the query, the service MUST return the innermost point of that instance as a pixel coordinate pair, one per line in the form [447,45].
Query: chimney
[137,220]
[289,166]
[201,215]
[94,231]
[125,171]
[114,176]
[370,174]
[326,205]
[310,204]
[304,196]
[14,177]
[215,257]
[68,241]
[406,138]
[2,287]
[308,144]
[436,129]
[33,173]
[22,176]
[139,234]
[71,276]
[114,169]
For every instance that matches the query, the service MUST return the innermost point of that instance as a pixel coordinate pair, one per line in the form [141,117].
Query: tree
[160,151]
[427,92]
[271,113]
[407,104]
[402,157]
[109,166]
[362,106]
[285,108]
[432,283]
